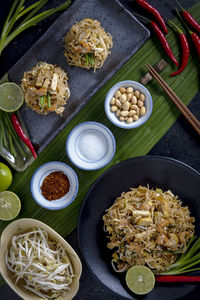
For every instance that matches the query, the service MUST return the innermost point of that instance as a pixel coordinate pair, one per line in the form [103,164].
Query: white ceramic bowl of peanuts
[128,104]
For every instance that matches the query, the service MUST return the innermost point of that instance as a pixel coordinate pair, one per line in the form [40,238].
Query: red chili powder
[55,186]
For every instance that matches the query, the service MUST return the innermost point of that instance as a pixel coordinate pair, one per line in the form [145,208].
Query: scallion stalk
[48,100]
[17,11]
[2,132]
[187,261]
[41,101]
[91,59]
[35,8]
[8,137]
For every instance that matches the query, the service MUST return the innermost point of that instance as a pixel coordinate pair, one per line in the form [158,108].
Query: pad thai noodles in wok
[87,45]
[147,227]
[45,88]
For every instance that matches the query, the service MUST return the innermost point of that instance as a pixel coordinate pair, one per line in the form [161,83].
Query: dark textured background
[180,142]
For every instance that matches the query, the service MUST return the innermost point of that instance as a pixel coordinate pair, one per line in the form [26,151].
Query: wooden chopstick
[177,101]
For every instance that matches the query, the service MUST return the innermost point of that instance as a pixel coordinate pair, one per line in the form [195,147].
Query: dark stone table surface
[180,142]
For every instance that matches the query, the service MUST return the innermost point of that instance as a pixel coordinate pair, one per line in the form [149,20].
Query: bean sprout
[41,263]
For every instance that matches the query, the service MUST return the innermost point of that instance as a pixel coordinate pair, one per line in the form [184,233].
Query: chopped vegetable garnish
[42,101]
[91,59]
[48,100]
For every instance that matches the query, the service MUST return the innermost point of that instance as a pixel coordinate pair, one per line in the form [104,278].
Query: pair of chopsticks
[177,101]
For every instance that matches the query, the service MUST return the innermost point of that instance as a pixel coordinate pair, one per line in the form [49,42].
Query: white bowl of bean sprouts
[37,263]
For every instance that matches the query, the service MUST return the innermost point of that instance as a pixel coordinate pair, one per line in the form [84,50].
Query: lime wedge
[11,96]
[140,280]
[10,205]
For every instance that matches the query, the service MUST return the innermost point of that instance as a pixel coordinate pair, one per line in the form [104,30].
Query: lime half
[140,280]
[10,205]
[11,96]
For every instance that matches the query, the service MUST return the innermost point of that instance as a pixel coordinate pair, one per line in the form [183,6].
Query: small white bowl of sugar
[90,146]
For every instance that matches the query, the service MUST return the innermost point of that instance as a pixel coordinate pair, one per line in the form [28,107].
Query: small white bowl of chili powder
[54,185]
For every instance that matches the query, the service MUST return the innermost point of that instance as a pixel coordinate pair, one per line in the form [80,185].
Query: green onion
[91,59]
[187,261]
[35,8]
[3,132]
[48,100]
[8,137]
[42,101]
[17,11]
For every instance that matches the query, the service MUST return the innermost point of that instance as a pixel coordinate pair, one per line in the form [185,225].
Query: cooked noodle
[45,88]
[87,44]
[147,227]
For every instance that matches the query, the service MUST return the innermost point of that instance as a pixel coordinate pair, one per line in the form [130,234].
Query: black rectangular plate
[128,36]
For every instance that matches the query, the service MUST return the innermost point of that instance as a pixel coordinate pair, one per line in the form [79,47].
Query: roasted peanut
[137,93]
[126,105]
[118,112]
[123,98]
[142,111]
[142,97]
[134,100]
[117,94]
[140,103]
[122,90]
[129,96]
[129,120]
[124,113]
[118,103]
[132,113]
[129,90]
[112,102]
[114,108]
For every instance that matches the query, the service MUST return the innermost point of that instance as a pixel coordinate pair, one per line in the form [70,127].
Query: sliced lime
[10,205]
[11,96]
[5,177]
[140,280]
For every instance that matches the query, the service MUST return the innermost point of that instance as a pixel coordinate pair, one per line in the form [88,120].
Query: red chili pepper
[189,18]
[163,42]
[21,134]
[144,4]
[194,36]
[185,49]
[161,38]
[196,41]
[173,278]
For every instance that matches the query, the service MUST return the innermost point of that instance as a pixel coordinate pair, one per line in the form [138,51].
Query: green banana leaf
[130,143]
